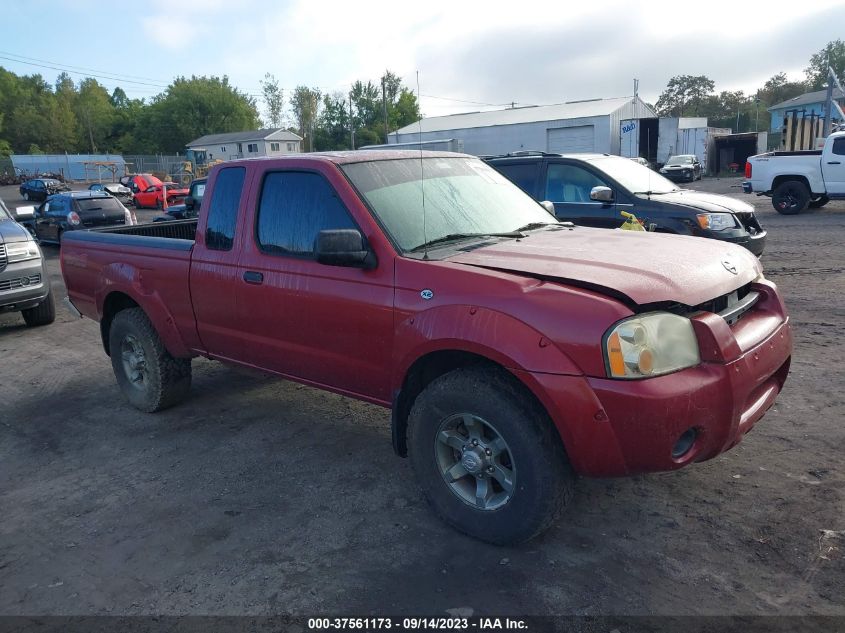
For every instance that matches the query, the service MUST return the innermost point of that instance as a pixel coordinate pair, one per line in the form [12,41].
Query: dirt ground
[261,496]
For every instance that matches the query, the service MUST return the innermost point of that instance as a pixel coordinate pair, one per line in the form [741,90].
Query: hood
[709,202]
[641,267]
[11,231]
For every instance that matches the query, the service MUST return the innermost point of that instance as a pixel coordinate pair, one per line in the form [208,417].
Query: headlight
[22,251]
[716,221]
[650,345]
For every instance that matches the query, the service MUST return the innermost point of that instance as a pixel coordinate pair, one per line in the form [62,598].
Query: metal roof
[806,99]
[268,134]
[529,114]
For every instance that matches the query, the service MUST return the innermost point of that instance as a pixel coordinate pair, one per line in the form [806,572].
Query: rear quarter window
[223,209]
[523,175]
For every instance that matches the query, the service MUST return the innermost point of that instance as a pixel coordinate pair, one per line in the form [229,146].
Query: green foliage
[82,117]
[684,95]
[831,56]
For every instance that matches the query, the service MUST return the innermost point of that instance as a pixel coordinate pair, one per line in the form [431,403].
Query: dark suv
[593,190]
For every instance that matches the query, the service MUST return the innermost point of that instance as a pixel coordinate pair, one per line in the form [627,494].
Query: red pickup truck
[515,351]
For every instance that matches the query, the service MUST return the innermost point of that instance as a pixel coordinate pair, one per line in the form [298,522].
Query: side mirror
[25,213]
[548,206]
[601,194]
[344,247]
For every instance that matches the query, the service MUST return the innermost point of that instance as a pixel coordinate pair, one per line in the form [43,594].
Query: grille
[3,260]
[21,282]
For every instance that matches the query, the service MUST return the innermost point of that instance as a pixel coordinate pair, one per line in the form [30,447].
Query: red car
[147,190]
[514,350]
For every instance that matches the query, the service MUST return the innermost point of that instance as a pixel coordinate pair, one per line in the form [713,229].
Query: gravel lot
[263,496]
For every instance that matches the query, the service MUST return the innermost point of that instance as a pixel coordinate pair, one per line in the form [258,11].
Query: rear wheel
[791,197]
[150,378]
[818,203]
[26,196]
[42,314]
[487,456]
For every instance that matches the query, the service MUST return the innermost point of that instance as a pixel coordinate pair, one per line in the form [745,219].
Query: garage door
[580,138]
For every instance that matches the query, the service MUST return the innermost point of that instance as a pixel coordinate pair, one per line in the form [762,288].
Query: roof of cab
[348,156]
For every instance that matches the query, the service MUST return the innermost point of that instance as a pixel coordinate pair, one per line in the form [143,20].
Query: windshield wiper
[452,237]
[653,193]
[536,225]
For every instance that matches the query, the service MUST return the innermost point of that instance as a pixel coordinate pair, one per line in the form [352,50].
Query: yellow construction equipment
[631,223]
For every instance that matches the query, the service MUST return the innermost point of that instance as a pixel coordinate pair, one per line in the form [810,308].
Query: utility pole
[351,125]
[384,103]
[757,112]
[828,102]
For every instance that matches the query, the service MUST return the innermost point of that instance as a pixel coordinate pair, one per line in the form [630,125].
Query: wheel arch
[431,366]
[118,300]
[779,180]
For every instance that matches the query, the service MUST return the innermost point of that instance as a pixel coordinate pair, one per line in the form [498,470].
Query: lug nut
[464,448]
[487,451]
[490,469]
[475,442]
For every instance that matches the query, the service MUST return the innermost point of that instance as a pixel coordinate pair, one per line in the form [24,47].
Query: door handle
[252,277]
[833,162]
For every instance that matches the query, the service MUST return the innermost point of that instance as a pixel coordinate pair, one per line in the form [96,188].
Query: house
[593,125]
[805,105]
[232,145]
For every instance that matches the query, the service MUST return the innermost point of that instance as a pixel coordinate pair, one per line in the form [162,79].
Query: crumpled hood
[11,231]
[642,267]
[709,202]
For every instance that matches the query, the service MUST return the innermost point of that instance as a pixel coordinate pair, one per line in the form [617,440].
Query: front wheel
[487,456]
[818,203]
[150,378]
[790,197]
[42,314]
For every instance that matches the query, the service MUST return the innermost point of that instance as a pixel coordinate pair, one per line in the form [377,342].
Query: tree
[684,95]
[273,100]
[332,129]
[95,112]
[190,108]
[833,56]
[304,105]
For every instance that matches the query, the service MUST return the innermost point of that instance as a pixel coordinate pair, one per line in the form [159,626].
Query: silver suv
[24,283]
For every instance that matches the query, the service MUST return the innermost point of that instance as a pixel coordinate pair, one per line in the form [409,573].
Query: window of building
[294,208]
[223,209]
[274,147]
[223,148]
[240,148]
[291,147]
[252,148]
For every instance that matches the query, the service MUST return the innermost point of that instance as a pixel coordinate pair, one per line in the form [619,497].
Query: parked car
[515,351]
[71,211]
[147,190]
[593,190]
[24,282]
[121,192]
[799,180]
[190,206]
[684,167]
[39,188]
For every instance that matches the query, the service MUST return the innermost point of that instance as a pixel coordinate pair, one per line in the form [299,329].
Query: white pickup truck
[798,180]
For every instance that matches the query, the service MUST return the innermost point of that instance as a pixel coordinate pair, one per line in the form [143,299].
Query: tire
[42,314]
[818,203]
[541,479]
[790,197]
[149,377]
[26,196]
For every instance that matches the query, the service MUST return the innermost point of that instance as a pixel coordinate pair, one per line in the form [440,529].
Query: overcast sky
[487,52]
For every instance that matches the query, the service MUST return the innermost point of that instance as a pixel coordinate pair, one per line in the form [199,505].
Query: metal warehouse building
[577,126]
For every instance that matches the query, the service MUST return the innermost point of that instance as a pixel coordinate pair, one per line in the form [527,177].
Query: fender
[129,280]
[482,331]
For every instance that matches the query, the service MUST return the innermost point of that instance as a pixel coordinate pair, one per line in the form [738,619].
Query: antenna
[422,175]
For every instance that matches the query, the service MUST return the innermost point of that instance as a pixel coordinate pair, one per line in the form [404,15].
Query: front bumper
[678,176]
[756,243]
[619,427]
[23,285]
[746,187]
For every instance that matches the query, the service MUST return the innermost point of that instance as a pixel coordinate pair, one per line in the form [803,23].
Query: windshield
[680,160]
[634,177]
[462,195]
